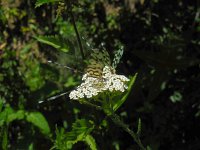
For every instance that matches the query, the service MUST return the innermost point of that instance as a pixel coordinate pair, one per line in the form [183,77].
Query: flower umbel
[92,86]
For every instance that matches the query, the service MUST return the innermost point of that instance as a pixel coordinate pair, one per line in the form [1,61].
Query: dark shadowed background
[161,43]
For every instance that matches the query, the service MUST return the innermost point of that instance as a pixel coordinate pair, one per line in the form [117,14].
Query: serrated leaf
[91,142]
[42,2]
[79,130]
[37,119]
[56,42]
[123,99]
[60,142]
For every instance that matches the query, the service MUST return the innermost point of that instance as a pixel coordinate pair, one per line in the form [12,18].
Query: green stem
[89,104]
[69,5]
[115,118]
[77,35]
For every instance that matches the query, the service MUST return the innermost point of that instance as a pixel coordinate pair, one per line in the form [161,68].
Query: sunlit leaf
[91,142]
[4,114]
[42,2]
[38,120]
[16,116]
[60,142]
[80,129]
[31,147]
[56,42]
[123,99]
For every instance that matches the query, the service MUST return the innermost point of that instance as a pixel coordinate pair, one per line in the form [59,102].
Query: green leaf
[1,77]
[80,132]
[1,104]
[80,129]
[16,116]
[91,142]
[37,119]
[176,97]
[5,139]
[30,147]
[148,148]
[59,142]
[4,114]
[42,2]
[56,42]
[139,127]
[123,99]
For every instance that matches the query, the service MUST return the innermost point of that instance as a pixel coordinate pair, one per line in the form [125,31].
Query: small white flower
[93,86]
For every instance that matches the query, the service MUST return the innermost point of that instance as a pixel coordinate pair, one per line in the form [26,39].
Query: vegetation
[46,47]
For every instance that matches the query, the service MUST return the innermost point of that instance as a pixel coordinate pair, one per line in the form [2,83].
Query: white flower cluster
[92,86]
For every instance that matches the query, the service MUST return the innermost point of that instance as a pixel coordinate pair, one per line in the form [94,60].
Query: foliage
[120,101]
[160,42]
[81,130]
[42,2]
[56,42]
[8,115]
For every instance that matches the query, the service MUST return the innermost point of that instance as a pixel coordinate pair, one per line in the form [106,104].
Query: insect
[96,61]
[117,56]
[99,59]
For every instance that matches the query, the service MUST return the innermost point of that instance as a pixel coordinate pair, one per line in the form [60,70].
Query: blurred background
[161,42]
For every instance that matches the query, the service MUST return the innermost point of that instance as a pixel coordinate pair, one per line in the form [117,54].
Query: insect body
[97,61]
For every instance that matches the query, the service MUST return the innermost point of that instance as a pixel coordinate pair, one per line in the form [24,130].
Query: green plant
[50,50]
[9,115]
[105,97]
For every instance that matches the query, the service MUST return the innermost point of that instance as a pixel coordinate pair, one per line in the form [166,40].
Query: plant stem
[77,35]
[115,118]
[90,104]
